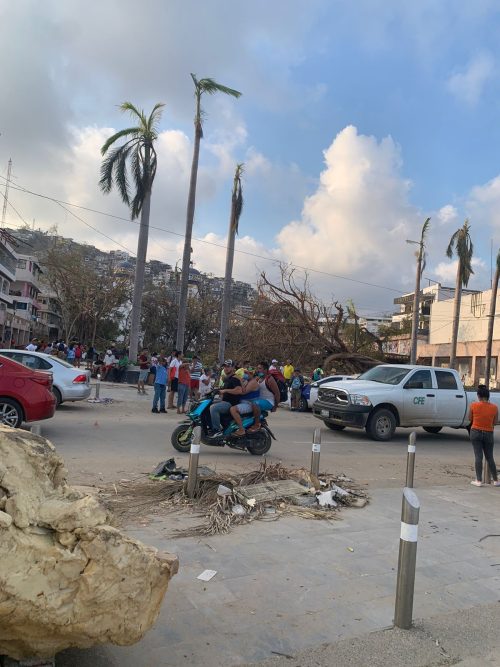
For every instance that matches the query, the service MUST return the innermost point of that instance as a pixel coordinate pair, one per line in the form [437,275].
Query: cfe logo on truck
[419,400]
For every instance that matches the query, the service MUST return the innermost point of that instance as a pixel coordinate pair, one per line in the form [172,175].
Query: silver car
[69,383]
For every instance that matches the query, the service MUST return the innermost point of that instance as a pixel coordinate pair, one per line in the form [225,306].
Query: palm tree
[138,156]
[234,219]
[210,87]
[421,258]
[491,322]
[461,243]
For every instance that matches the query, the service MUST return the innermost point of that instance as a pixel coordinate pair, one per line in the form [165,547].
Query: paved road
[109,442]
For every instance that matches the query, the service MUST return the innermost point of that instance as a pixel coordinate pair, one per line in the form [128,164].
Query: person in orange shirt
[483,416]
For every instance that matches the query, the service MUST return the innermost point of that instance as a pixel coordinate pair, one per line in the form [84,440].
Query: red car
[25,394]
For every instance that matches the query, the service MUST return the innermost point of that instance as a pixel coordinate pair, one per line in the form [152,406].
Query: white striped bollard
[194,455]
[98,385]
[407,560]
[315,452]
[410,460]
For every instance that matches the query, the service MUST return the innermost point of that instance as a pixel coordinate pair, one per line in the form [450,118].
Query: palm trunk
[456,318]
[186,256]
[491,324]
[142,248]
[226,297]
[416,313]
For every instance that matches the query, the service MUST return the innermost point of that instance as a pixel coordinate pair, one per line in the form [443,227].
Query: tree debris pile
[226,500]
[67,578]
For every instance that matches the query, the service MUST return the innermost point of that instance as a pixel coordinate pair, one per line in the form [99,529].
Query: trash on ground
[325,499]
[206,575]
[268,493]
[105,401]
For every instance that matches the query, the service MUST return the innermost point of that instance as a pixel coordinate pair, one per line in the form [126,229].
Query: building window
[21,263]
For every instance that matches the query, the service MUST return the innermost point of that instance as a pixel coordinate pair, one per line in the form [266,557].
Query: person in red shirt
[483,416]
[183,386]
[143,361]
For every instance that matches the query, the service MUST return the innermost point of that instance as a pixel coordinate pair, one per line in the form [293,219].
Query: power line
[212,243]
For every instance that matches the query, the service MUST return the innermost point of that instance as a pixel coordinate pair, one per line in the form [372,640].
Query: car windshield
[385,374]
[55,360]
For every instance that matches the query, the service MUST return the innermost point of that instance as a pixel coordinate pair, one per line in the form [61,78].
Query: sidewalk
[288,585]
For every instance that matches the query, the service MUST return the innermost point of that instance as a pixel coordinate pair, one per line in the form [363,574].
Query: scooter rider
[231,394]
[269,394]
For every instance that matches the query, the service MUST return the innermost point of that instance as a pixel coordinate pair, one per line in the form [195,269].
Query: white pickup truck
[388,396]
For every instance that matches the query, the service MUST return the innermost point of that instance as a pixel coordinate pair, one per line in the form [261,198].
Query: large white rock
[66,578]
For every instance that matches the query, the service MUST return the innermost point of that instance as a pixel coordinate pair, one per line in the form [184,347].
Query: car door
[419,399]
[451,402]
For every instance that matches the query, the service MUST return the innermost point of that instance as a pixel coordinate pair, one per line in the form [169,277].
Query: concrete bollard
[194,455]
[410,460]
[407,560]
[36,429]
[315,452]
[98,385]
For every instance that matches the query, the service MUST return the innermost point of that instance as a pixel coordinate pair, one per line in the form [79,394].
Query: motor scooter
[255,442]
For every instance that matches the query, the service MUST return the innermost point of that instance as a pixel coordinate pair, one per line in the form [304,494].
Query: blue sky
[401,98]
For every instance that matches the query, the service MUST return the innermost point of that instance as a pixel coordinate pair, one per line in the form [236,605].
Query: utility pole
[416,296]
[6,194]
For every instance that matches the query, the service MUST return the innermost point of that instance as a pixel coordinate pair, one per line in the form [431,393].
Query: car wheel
[57,395]
[381,425]
[11,413]
[432,429]
[334,427]
[303,407]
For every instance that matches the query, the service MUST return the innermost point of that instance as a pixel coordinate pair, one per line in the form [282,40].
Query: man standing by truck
[483,416]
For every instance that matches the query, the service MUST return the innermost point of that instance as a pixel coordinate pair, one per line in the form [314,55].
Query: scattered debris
[206,575]
[226,500]
[104,401]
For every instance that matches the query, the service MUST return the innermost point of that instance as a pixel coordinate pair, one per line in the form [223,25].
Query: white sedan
[69,383]
[313,392]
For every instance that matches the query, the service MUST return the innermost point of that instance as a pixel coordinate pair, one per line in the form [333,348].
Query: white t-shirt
[175,363]
[31,347]
[204,388]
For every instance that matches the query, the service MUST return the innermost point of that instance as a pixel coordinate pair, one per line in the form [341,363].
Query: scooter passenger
[250,393]
[230,393]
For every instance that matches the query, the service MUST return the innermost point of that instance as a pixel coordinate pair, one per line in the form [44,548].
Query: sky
[357,121]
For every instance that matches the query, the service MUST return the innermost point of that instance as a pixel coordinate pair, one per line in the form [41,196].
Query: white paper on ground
[206,575]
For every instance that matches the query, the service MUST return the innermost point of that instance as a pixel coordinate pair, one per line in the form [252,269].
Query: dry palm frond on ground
[130,500]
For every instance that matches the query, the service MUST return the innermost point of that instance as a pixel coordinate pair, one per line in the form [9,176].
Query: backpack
[281,382]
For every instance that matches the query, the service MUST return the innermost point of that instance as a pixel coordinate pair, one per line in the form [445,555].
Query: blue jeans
[216,410]
[160,391]
[182,395]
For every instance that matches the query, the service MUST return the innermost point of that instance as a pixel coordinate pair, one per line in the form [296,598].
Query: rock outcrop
[67,579]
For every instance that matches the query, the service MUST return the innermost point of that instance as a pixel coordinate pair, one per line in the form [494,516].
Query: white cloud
[446,272]
[468,85]
[356,222]
[447,214]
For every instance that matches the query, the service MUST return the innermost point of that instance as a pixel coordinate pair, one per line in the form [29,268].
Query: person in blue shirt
[160,387]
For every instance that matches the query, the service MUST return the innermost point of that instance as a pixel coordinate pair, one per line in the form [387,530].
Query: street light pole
[416,296]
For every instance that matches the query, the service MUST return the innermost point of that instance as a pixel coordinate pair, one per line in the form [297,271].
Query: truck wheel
[432,429]
[381,425]
[335,427]
[303,407]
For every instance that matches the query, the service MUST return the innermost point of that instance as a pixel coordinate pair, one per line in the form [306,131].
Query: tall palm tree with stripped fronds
[201,87]
[234,220]
[491,322]
[461,244]
[135,158]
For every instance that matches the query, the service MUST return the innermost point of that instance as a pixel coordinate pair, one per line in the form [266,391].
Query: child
[296,387]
